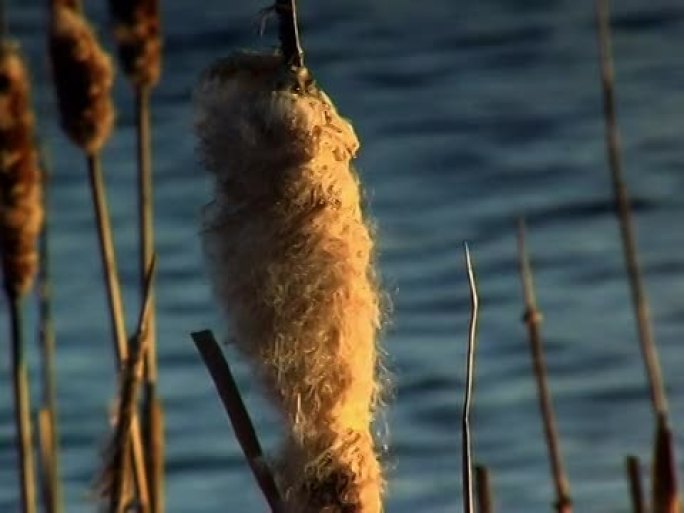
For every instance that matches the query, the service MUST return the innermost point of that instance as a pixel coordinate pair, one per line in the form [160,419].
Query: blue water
[470,115]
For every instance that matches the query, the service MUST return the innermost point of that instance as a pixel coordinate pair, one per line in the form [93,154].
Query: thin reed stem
[152,410]
[636,488]
[46,335]
[109,268]
[46,451]
[533,318]
[622,207]
[483,486]
[116,313]
[288,31]
[466,446]
[237,413]
[22,407]
[132,376]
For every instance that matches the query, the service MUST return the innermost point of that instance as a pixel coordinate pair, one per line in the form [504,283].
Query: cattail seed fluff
[137,31]
[290,258]
[83,77]
[21,212]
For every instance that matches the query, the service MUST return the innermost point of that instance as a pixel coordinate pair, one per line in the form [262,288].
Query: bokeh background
[470,115]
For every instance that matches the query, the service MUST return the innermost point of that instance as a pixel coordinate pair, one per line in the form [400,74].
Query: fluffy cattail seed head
[137,32]
[291,259]
[83,76]
[21,212]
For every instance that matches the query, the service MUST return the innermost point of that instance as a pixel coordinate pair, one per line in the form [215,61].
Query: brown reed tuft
[21,212]
[291,256]
[137,30]
[83,76]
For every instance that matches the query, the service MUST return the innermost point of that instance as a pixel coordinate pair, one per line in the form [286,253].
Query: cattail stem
[636,488]
[152,409]
[483,486]
[53,495]
[109,269]
[116,312]
[288,31]
[22,407]
[532,318]
[466,446]
[131,378]
[237,413]
[48,479]
[622,207]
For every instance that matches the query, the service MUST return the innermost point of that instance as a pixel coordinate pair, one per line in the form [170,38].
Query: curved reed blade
[466,446]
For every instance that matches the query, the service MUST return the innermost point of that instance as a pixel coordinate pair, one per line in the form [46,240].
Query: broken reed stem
[52,488]
[483,487]
[237,413]
[131,377]
[636,489]
[532,318]
[288,32]
[115,303]
[622,206]
[22,406]
[467,464]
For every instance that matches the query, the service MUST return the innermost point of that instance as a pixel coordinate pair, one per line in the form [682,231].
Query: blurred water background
[470,114]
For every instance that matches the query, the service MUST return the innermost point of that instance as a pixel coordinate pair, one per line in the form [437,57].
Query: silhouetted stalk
[22,407]
[466,446]
[622,207]
[237,413]
[483,486]
[532,318]
[665,497]
[636,489]
[289,33]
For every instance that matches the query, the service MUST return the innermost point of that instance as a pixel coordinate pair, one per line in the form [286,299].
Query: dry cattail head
[21,213]
[291,257]
[83,77]
[137,32]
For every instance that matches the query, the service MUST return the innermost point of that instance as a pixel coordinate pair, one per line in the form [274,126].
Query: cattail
[137,32]
[83,76]
[290,256]
[21,212]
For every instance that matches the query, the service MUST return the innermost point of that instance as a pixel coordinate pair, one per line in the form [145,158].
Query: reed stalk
[22,407]
[636,488]
[664,483]
[288,32]
[466,446]
[239,418]
[665,495]
[21,216]
[131,377]
[624,214]
[137,32]
[483,487]
[52,493]
[83,77]
[533,318]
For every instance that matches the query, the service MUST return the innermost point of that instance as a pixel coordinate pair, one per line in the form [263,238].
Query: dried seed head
[83,77]
[137,32]
[21,213]
[291,259]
